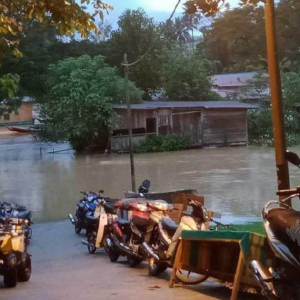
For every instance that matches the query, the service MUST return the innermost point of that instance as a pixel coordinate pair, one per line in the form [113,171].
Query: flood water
[236,182]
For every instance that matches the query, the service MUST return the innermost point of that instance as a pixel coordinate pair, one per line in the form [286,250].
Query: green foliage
[260,127]
[41,46]
[186,77]
[9,85]
[291,89]
[136,33]
[237,39]
[78,105]
[162,143]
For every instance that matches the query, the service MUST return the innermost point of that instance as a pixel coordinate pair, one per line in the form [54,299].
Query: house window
[150,125]
[6,117]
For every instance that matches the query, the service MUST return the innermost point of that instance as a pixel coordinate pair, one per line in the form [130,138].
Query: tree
[78,105]
[187,77]
[237,39]
[42,46]
[135,35]
[67,15]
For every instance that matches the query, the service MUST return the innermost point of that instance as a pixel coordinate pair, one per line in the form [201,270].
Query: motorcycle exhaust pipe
[71,219]
[264,278]
[123,248]
[149,251]
[86,243]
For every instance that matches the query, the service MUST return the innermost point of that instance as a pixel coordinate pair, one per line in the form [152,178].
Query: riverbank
[63,269]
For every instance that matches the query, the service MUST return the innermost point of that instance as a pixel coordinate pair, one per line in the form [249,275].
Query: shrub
[162,143]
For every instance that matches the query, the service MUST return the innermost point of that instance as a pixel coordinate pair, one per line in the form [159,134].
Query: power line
[157,38]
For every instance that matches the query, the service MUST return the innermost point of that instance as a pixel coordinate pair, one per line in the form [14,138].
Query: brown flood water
[236,182]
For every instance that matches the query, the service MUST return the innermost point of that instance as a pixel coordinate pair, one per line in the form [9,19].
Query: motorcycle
[282,226]
[11,210]
[97,228]
[162,248]
[127,237]
[15,262]
[87,206]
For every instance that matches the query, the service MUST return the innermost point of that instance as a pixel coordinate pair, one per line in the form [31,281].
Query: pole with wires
[129,122]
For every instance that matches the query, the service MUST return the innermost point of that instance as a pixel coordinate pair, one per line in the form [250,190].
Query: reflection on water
[236,182]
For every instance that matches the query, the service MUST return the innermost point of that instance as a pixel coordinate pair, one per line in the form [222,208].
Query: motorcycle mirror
[293,158]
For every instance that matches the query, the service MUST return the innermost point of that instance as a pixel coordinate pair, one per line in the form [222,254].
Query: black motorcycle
[282,225]
[85,207]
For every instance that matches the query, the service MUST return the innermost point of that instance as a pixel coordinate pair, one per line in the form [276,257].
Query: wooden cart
[223,255]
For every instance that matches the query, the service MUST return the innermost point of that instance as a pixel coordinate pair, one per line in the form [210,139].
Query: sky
[160,10]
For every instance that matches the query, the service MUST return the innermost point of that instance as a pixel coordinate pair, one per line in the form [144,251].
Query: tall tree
[135,35]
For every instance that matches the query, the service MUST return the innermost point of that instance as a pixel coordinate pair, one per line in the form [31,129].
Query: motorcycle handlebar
[289,192]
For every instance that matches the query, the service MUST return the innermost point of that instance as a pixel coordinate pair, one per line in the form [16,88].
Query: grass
[256,227]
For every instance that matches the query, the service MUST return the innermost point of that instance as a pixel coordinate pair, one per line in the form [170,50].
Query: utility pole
[283,180]
[129,123]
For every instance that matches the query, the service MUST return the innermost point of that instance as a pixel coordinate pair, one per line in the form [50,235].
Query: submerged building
[204,123]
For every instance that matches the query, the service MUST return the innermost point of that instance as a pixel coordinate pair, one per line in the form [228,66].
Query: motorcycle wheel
[91,240]
[11,278]
[133,261]
[77,228]
[113,255]
[155,268]
[186,278]
[24,269]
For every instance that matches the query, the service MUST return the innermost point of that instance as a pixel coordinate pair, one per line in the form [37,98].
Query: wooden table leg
[237,277]
[176,263]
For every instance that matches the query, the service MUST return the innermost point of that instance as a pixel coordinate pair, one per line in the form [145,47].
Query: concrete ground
[63,269]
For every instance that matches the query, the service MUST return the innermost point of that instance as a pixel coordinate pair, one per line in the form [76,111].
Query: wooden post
[129,124]
[238,275]
[282,169]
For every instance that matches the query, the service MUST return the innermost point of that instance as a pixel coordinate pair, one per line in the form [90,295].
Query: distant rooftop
[233,79]
[186,104]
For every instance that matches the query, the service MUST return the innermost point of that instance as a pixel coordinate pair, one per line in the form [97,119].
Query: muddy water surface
[235,181]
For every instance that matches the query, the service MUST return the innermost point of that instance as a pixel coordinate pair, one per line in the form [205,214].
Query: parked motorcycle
[87,206]
[162,248]
[282,225]
[11,210]
[97,228]
[15,262]
[127,237]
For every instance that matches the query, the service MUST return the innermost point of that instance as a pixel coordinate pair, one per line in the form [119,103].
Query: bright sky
[160,10]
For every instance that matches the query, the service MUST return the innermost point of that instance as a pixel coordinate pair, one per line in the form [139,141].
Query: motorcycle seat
[24,215]
[285,225]
[169,224]
[92,220]
[123,222]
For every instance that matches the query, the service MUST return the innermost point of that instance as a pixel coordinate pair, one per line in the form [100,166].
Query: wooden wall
[188,124]
[203,127]
[224,126]
[140,116]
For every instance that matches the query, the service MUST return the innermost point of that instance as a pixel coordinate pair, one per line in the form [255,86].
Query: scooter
[15,262]
[282,225]
[97,228]
[162,248]
[87,206]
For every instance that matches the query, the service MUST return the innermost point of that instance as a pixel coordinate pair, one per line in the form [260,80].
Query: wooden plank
[237,277]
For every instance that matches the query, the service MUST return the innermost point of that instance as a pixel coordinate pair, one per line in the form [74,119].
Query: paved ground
[63,269]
